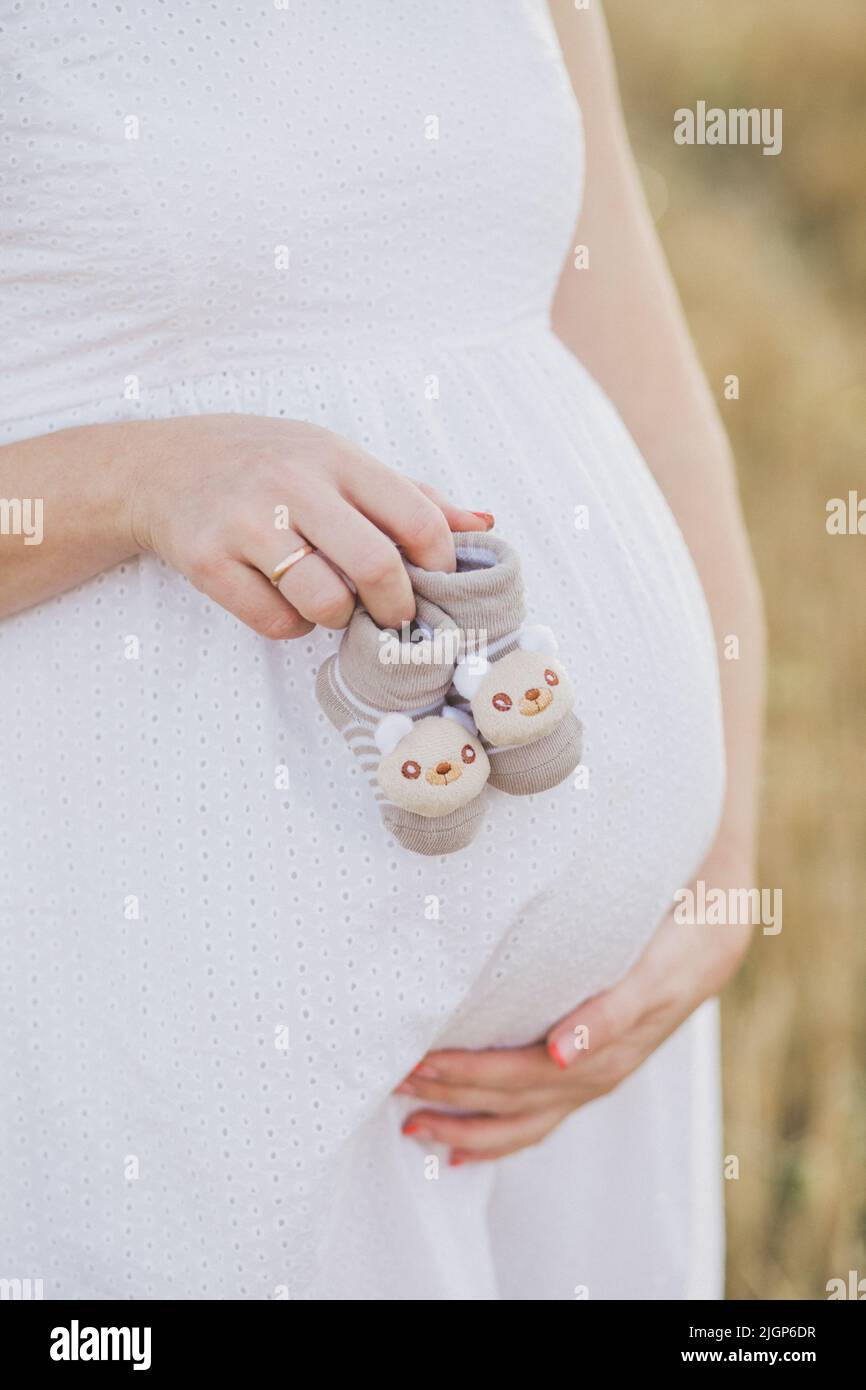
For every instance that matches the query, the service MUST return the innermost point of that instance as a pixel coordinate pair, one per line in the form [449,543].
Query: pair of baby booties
[469,696]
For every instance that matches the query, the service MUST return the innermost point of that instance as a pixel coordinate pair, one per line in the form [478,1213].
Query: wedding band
[290,560]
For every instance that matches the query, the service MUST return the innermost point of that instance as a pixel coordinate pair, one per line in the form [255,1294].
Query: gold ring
[285,565]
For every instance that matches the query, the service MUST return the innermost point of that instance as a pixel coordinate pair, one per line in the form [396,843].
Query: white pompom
[537,639]
[461,716]
[469,673]
[390,730]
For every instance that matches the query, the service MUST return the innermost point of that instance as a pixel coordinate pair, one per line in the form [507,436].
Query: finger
[481,1134]
[458,518]
[478,1100]
[317,591]
[405,514]
[495,1069]
[369,558]
[311,586]
[246,593]
[602,1020]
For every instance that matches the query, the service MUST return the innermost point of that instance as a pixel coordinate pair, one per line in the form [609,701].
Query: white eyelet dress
[214,965]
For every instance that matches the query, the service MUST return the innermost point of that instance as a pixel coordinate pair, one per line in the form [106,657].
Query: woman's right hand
[207,494]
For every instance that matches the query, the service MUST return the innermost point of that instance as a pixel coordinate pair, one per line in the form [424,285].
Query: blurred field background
[770,258]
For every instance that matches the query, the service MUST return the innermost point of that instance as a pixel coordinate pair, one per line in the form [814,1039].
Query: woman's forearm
[78,481]
[224,499]
[622,317]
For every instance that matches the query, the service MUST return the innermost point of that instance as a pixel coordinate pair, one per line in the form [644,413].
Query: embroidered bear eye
[411,769]
[467,753]
[551,677]
[502,701]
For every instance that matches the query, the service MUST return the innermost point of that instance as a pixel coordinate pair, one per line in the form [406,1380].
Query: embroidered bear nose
[532,694]
[443,769]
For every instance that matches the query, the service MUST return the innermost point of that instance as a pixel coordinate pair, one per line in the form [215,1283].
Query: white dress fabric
[211,981]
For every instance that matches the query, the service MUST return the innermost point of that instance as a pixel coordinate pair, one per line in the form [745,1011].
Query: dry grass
[770,257]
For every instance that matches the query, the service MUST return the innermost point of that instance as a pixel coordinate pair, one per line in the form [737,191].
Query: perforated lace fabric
[214,967]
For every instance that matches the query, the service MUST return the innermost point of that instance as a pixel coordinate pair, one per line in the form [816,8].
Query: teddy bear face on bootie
[522,696]
[431,766]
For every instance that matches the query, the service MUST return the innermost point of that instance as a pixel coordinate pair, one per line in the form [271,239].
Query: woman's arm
[622,318]
[81,481]
[219,497]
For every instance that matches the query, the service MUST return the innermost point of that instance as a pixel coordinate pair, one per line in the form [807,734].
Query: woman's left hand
[514,1097]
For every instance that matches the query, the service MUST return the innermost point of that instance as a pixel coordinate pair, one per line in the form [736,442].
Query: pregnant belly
[586,872]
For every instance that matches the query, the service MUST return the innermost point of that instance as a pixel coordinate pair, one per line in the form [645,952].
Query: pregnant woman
[284,275]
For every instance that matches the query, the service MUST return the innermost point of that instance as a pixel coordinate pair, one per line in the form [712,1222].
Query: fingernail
[404,1089]
[455,1162]
[553,1049]
[488,518]
[422,1069]
[418,1131]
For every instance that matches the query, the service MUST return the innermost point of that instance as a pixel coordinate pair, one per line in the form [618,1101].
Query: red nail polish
[411,1129]
[488,518]
[423,1070]
[557,1056]
[455,1162]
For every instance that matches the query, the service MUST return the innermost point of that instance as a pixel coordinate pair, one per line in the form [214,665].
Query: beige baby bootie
[508,676]
[386,695]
